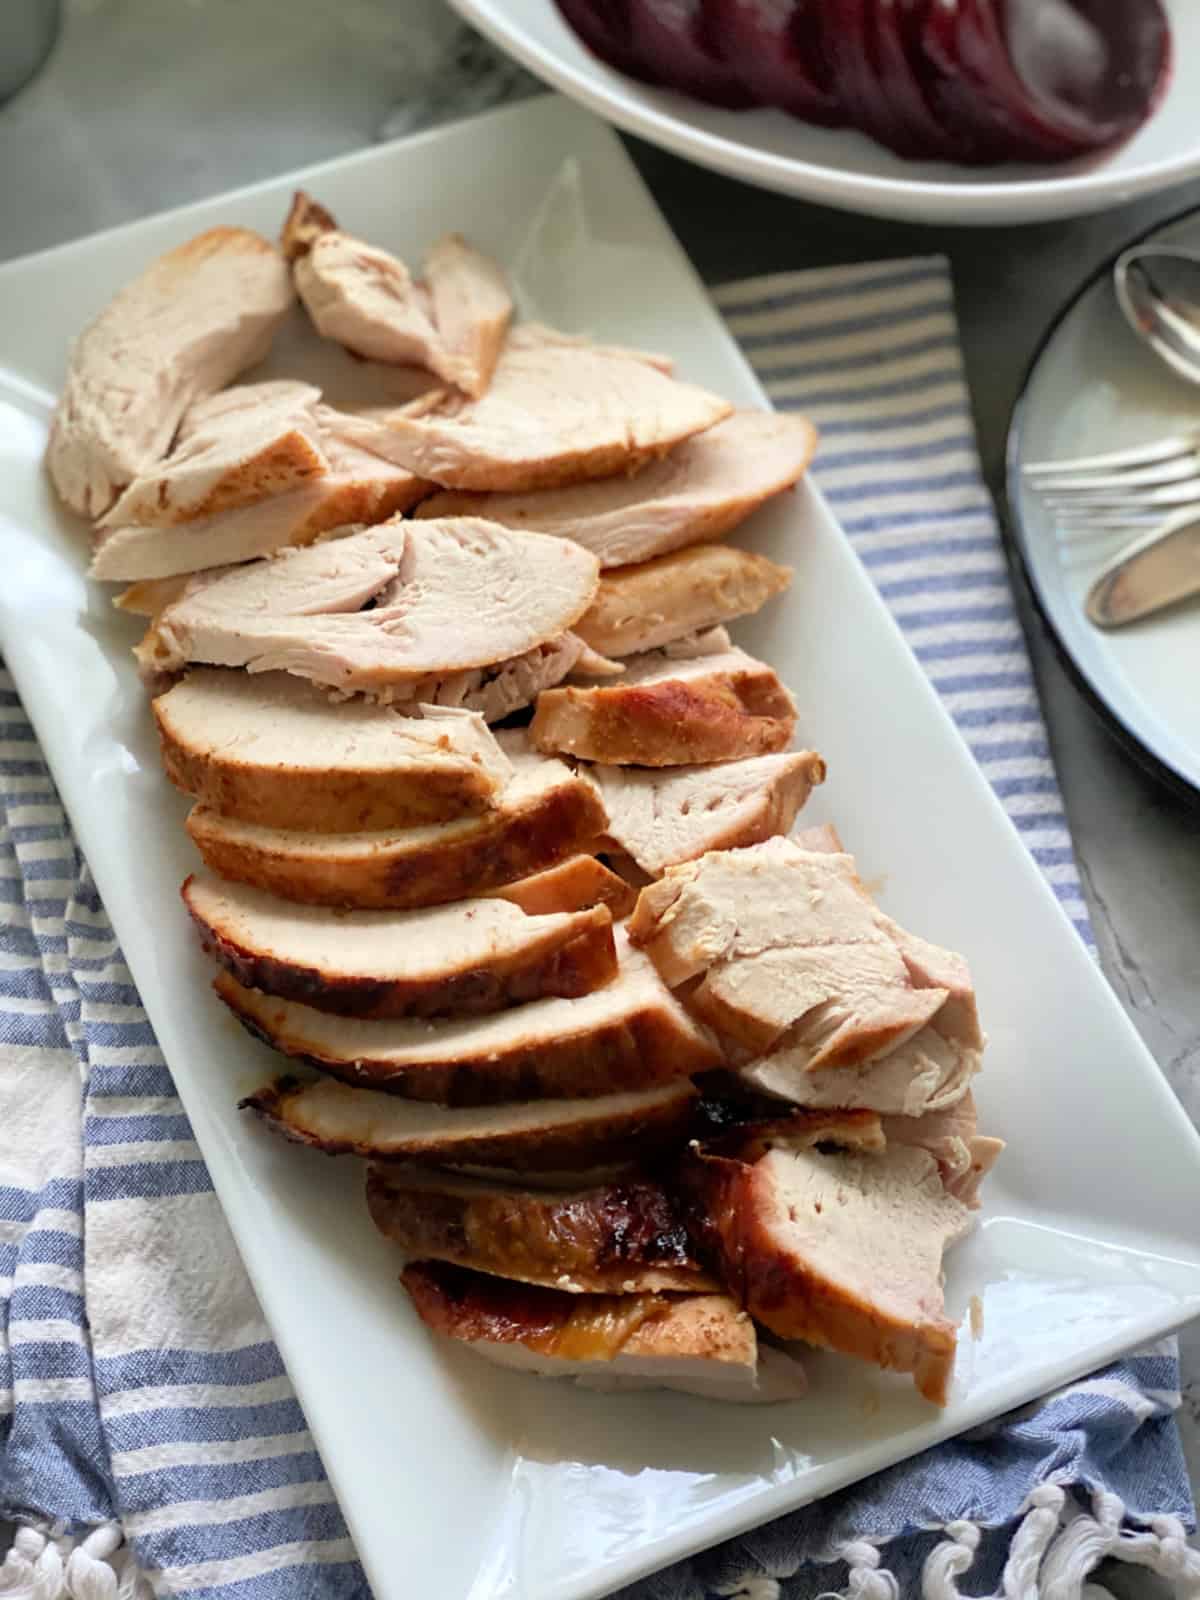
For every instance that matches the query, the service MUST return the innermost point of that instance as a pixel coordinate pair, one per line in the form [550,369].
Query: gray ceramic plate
[1094,387]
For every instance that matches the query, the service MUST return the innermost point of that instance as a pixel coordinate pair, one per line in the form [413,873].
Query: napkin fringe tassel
[1055,1549]
[46,1564]
[1058,1545]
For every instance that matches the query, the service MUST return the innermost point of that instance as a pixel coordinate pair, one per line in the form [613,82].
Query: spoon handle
[1156,571]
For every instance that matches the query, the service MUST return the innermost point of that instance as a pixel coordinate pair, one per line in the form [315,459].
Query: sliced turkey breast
[357,488]
[570,886]
[149,596]
[341,576]
[742,902]
[622,1237]
[553,414]
[471,310]
[823,838]
[590,664]
[453,323]
[661,817]
[792,953]
[538,335]
[538,1135]
[701,1344]
[466,959]
[690,647]
[964,1156]
[702,490]
[186,327]
[353,386]
[650,605]
[366,299]
[591,1177]
[749,1131]
[629,1034]
[835,1004]
[305,221]
[842,1248]
[496,691]
[925,1074]
[273,750]
[446,597]
[931,966]
[666,712]
[538,819]
[233,449]
[627,868]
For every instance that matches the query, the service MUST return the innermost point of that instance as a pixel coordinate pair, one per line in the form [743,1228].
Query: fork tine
[1141,455]
[1176,470]
[1080,522]
[1171,494]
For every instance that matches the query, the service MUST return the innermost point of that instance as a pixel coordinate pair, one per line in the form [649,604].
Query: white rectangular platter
[458,1480]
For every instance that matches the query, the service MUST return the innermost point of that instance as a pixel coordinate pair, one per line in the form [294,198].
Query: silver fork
[1150,491]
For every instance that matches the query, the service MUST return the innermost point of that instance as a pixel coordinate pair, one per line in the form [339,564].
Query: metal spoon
[1158,290]
[1157,570]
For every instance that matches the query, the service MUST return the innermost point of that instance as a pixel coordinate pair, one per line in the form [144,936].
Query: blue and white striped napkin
[871,353]
[148,1433]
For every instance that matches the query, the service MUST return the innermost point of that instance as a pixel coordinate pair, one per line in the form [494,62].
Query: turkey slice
[274,751]
[357,487]
[471,310]
[538,1135]
[842,1248]
[465,959]
[702,490]
[184,328]
[554,414]
[701,1344]
[366,299]
[572,884]
[445,597]
[233,449]
[521,844]
[792,954]
[612,1238]
[653,604]
[454,323]
[926,1074]
[495,691]
[662,816]
[951,1136]
[668,711]
[629,1034]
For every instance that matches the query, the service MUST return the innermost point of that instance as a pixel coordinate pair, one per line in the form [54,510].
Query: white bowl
[839,168]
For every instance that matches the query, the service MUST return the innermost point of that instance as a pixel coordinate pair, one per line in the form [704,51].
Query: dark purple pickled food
[1055,79]
[673,43]
[972,81]
[1105,63]
[1001,99]
[976,134]
[909,82]
[775,49]
[877,111]
[604,27]
[844,43]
